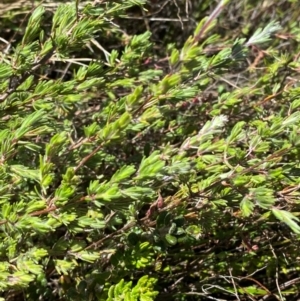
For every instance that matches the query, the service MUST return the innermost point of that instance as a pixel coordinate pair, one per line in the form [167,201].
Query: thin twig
[159,19]
[214,15]
[204,295]
[234,286]
[276,274]
[89,156]
[282,286]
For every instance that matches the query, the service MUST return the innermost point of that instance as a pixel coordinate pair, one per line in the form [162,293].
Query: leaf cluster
[139,174]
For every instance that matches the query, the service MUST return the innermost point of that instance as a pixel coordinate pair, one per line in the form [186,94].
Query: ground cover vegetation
[149,150]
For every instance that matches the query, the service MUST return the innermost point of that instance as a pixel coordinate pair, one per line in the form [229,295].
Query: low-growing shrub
[130,176]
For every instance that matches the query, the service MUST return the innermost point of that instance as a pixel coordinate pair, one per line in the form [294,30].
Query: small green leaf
[172,240]
[263,35]
[122,174]
[288,218]
[263,197]
[5,71]
[246,207]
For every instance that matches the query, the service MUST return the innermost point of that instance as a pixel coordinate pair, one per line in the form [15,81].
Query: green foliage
[142,291]
[136,167]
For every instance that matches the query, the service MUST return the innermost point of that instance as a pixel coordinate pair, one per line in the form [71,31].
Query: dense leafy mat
[149,150]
